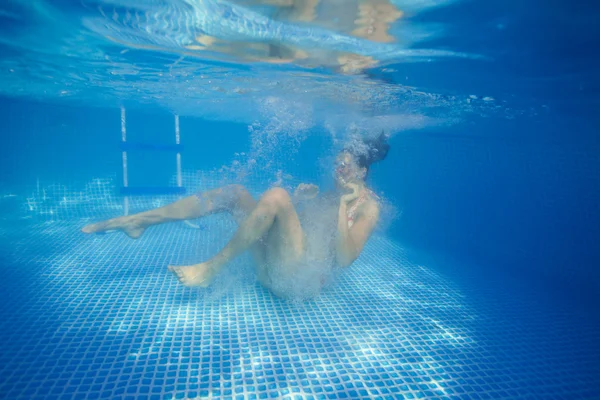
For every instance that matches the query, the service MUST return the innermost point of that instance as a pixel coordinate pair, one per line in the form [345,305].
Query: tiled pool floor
[100,317]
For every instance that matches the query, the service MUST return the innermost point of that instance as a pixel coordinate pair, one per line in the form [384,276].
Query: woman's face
[346,169]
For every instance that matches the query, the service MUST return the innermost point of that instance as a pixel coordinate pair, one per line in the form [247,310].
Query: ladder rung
[140,191]
[128,146]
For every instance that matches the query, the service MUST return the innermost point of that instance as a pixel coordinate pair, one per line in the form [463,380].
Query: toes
[179,274]
[94,228]
[174,270]
[88,229]
[188,277]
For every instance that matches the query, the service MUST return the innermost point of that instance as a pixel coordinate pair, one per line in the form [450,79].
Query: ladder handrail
[178,142]
[124,155]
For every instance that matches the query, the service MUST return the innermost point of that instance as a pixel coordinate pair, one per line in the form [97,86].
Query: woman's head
[353,162]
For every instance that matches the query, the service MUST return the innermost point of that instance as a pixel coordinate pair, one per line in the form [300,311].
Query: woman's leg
[233,198]
[273,218]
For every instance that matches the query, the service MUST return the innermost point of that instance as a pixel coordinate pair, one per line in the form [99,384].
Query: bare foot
[353,63]
[127,225]
[195,275]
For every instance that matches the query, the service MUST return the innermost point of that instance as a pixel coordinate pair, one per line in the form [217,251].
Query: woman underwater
[293,258]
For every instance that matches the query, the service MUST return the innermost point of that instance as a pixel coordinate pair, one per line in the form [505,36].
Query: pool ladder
[126,146]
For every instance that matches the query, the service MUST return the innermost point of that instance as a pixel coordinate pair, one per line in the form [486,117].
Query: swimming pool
[480,280]
[101,318]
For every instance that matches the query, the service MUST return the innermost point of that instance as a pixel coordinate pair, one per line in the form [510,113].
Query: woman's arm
[350,241]
[305,191]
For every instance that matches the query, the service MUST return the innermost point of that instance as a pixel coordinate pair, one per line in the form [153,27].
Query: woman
[290,263]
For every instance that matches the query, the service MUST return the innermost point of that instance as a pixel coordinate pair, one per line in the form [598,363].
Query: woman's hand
[306,191]
[348,197]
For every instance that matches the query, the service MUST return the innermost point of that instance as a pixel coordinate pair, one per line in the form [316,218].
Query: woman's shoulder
[372,197]
[371,204]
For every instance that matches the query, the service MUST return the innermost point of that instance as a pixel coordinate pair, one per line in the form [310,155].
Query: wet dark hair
[370,150]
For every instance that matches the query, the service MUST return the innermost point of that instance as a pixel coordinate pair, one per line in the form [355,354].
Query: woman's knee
[277,197]
[236,190]
[234,194]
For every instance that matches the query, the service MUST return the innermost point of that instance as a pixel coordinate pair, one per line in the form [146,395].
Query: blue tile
[245,341]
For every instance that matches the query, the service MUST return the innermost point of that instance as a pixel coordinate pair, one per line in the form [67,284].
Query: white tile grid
[100,315]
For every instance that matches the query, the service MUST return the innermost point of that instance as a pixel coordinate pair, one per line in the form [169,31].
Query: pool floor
[100,317]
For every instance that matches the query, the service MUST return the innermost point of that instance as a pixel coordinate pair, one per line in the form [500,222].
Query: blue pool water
[480,282]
